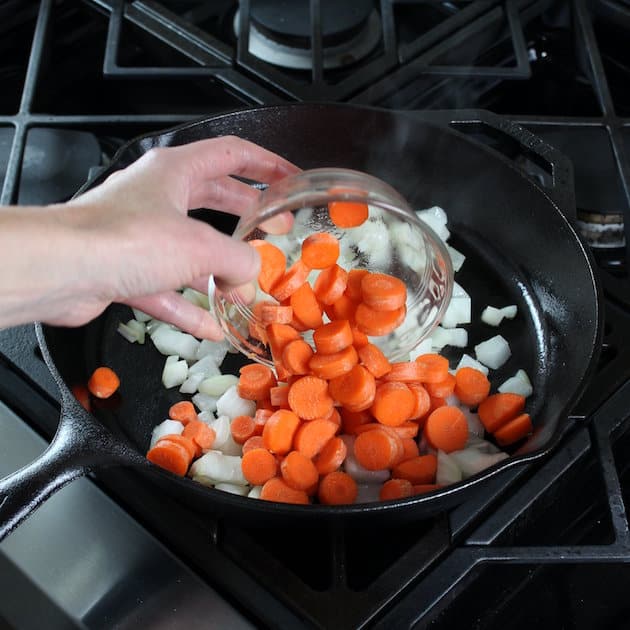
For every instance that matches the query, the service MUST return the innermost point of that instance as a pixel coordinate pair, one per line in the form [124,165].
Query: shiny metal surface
[81,562]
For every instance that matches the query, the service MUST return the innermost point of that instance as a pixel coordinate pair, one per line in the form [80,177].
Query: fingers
[172,308]
[229,155]
[224,193]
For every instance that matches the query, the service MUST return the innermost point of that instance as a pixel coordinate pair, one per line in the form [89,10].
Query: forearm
[42,258]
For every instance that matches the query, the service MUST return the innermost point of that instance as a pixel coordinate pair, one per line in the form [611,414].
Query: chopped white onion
[191,384]
[468,361]
[474,424]
[130,335]
[206,416]
[356,471]
[141,316]
[493,352]
[517,384]
[457,312]
[169,341]
[494,316]
[215,467]
[447,470]
[217,385]
[232,488]
[216,349]
[456,337]
[483,446]
[254,493]
[230,447]
[139,328]
[206,366]
[203,402]
[232,405]
[174,373]
[457,258]
[168,427]
[472,460]
[222,431]
[368,492]
[436,219]
[196,297]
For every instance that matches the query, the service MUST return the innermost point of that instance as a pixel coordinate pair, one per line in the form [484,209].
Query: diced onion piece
[217,385]
[154,324]
[493,352]
[456,337]
[372,240]
[206,366]
[447,470]
[230,447]
[517,384]
[129,334]
[141,316]
[483,446]
[222,431]
[468,361]
[195,297]
[191,384]
[169,341]
[457,312]
[474,424]
[174,373]
[216,349]
[139,328]
[232,405]
[472,460]
[494,316]
[457,258]
[356,471]
[168,427]
[215,467]
[203,402]
[254,493]
[368,493]
[436,219]
[206,416]
[232,488]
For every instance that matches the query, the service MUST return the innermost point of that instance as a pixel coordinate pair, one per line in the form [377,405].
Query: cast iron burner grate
[545,532]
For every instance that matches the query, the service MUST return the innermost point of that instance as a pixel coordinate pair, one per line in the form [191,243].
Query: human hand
[142,246]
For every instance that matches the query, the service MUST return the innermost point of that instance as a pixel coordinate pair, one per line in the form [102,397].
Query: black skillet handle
[544,164]
[79,445]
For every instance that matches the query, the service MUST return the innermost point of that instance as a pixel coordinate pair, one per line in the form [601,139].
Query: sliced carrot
[291,281]
[378,323]
[471,386]
[441,389]
[330,284]
[434,367]
[320,250]
[276,489]
[393,403]
[353,286]
[186,442]
[183,411]
[258,466]
[348,214]
[376,449]
[309,398]
[256,441]
[498,409]
[382,292]
[350,420]
[333,337]
[312,436]
[407,429]
[355,390]
[404,372]
[279,430]
[333,416]
[331,456]
[343,308]
[201,434]
[260,419]
[279,396]
[279,336]
[298,471]
[306,308]
[276,314]
[418,470]
[255,381]
[423,400]
[330,366]
[103,382]
[446,429]
[359,339]
[514,430]
[265,403]
[170,456]
[82,394]
[410,448]
[395,489]
[272,264]
[296,355]
[337,488]
[374,360]
[257,329]
[242,428]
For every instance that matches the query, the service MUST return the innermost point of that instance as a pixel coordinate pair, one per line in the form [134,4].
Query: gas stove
[545,543]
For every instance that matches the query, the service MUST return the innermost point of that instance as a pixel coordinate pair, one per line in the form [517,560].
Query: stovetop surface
[543,544]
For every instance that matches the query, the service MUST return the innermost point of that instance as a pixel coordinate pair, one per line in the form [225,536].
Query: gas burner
[280,32]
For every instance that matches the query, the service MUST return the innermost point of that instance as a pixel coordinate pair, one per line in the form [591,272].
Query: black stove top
[546,543]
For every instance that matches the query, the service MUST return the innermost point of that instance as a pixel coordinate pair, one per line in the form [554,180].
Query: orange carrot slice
[498,409]
[382,292]
[103,382]
[272,264]
[309,398]
[337,488]
[446,429]
[320,250]
[276,489]
[348,214]
[378,323]
[255,381]
[258,466]
[330,284]
[298,471]
[333,337]
[471,386]
[417,470]
[279,430]
[514,430]
[331,456]
[291,281]
[312,436]
[393,403]
[328,366]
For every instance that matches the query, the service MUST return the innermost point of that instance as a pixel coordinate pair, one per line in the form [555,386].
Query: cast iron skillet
[520,249]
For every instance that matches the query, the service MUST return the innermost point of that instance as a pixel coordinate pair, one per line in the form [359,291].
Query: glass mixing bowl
[393,240]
